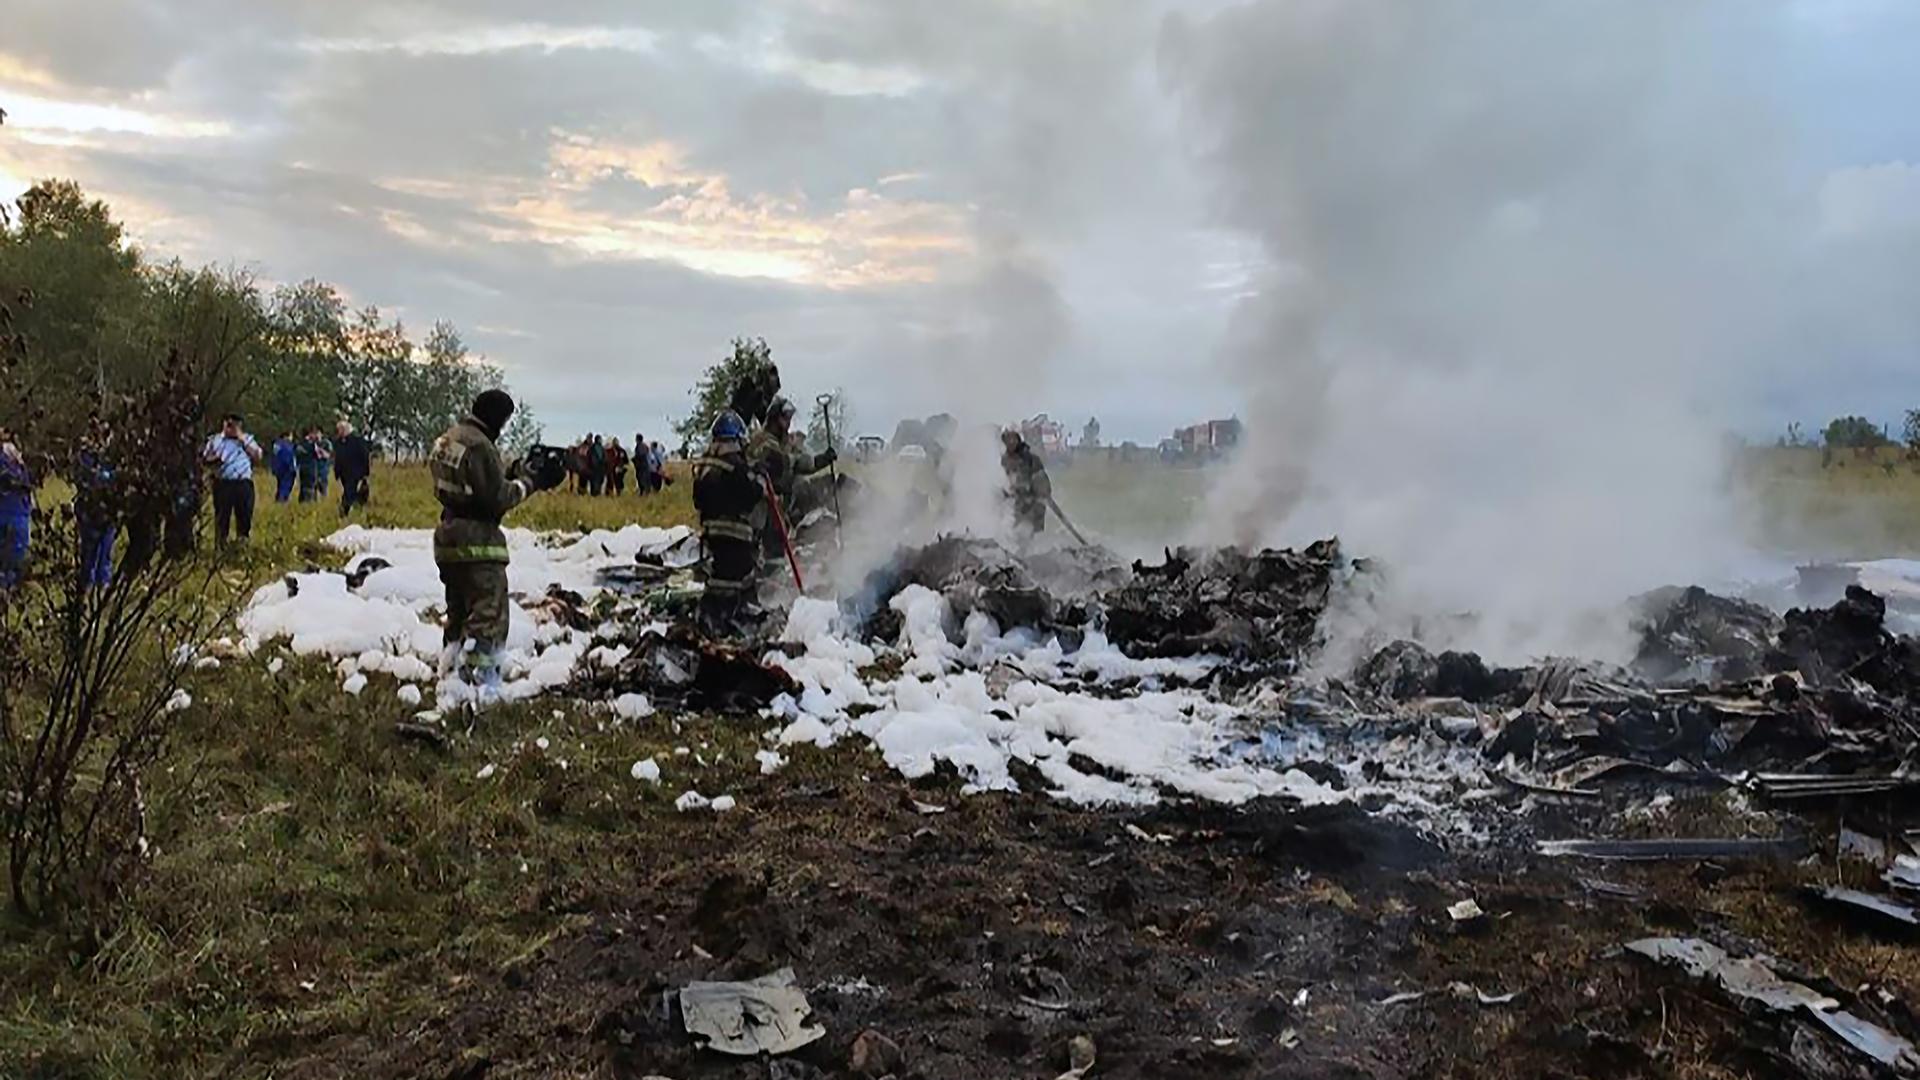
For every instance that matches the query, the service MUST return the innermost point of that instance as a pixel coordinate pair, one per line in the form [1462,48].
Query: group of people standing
[599,467]
[311,462]
[228,456]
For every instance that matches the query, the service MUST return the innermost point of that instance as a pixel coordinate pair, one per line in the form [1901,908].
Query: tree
[746,373]
[830,413]
[86,284]
[1910,434]
[1854,432]
[297,380]
[522,432]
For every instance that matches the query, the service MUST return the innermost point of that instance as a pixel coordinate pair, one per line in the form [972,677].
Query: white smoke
[1521,252]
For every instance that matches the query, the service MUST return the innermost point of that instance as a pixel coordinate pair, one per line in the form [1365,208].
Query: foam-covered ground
[1096,726]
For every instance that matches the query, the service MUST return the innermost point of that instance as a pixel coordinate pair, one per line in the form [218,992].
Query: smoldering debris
[1263,606]
[681,666]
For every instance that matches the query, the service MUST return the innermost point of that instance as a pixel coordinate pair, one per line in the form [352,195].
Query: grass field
[318,879]
[315,874]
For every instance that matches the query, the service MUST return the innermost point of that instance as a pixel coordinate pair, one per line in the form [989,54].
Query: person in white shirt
[232,453]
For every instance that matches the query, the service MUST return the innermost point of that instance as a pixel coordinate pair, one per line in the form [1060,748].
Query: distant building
[1045,434]
[1207,440]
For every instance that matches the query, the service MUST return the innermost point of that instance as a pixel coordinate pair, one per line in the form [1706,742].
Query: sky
[990,206]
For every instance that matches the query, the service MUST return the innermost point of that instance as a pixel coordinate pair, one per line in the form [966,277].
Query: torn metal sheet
[1861,846]
[1651,850]
[1904,873]
[1744,978]
[1872,1040]
[1881,908]
[767,1015]
[1753,979]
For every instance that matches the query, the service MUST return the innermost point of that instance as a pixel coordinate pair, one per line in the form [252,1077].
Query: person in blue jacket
[285,469]
[16,510]
[93,508]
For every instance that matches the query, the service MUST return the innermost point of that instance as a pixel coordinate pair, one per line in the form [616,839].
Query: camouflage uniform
[469,546]
[786,469]
[1028,486]
[728,494]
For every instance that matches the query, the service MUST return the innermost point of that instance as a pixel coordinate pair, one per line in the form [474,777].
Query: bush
[91,661]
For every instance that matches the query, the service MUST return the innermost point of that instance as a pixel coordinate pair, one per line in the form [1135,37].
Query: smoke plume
[1520,254]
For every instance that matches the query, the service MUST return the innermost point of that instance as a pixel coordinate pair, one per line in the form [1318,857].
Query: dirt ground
[1254,941]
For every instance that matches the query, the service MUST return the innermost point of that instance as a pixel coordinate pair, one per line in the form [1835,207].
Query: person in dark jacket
[596,465]
[285,468]
[16,511]
[469,546]
[616,467]
[729,494]
[353,463]
[306,456]
[323,462]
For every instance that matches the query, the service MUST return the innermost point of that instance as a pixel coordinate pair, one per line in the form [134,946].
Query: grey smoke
[1528,262]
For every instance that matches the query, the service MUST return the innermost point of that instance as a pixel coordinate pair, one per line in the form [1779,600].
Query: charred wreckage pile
[1797,722]
[1818,702]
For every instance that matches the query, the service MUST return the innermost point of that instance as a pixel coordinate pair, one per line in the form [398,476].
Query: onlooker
[596,464]
[93,514]
[657,463]
[233,453]
[285,468]
[306,455]
[354,462]
[577,458]
[616,467]
[16,511]
[323,461]
[642,465]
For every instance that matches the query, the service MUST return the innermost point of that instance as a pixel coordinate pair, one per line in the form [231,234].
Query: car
[911,452]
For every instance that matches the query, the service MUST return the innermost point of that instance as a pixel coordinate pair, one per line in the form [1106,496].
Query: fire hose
[1062,515]
[780,529]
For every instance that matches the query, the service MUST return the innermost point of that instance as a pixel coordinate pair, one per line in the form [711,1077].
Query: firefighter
[728,493]
[1028,486]
[469,547]
[788,467]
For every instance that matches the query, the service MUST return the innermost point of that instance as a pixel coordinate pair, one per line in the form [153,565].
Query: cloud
[1035,195]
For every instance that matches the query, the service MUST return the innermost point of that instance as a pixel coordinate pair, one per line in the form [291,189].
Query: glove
[826,457]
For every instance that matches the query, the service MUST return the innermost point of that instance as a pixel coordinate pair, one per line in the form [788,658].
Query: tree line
[103,317]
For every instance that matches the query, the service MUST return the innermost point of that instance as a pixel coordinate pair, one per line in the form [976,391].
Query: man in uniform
[1028,486]
[787,466]
[728,493]
[470,548]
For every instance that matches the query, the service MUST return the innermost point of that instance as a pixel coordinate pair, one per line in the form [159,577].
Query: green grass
[1805,501]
